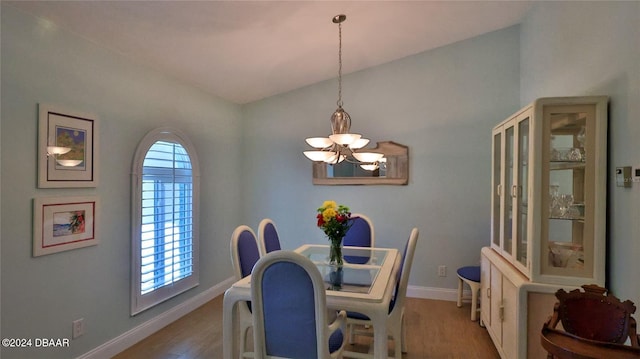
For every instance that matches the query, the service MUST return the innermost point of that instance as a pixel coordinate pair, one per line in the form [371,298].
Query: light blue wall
[42,296]
[593,48]
[442,104]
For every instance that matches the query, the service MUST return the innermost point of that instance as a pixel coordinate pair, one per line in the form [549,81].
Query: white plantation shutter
[165,210]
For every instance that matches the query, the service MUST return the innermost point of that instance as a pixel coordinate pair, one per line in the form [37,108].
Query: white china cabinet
[548,216]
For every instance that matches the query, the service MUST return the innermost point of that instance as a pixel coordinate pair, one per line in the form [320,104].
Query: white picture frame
[64,223]
[72,130]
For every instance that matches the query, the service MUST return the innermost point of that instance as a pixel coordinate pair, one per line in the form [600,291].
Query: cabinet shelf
[575,219]
[566,165]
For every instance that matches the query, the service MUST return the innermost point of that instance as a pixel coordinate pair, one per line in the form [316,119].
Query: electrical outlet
[77,328]
[442,271]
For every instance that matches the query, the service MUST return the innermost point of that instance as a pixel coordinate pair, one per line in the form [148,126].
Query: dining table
[368,283]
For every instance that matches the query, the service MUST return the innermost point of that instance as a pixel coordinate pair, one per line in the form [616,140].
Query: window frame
[141,302]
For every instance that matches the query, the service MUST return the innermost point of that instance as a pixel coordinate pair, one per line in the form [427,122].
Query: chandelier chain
[340,64]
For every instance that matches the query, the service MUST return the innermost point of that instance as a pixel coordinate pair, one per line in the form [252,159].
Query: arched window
[165,183]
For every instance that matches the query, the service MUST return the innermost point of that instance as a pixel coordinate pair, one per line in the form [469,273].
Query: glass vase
[335,277]
[335,251]
[335,261]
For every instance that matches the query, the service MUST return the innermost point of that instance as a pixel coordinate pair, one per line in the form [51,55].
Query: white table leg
[380,347]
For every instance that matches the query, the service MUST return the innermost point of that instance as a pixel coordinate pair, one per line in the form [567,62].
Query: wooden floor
[435,330]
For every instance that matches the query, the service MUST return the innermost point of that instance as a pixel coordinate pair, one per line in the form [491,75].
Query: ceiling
[244,51]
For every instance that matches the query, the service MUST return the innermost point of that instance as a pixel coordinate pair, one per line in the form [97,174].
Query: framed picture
[64,223]
[67,148]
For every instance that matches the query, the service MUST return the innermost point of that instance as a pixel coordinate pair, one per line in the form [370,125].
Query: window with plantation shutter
[165,231]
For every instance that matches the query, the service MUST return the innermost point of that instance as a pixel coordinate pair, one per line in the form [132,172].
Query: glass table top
[360,270]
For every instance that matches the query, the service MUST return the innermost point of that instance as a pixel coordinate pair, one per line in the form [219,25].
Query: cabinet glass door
[569,187]
[511,152]
[496,182]
[521,191]
[508,215]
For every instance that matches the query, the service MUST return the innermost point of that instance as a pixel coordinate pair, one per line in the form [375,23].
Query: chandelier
[342,145]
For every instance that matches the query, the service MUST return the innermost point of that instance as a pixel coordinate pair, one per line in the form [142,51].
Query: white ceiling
[244,51]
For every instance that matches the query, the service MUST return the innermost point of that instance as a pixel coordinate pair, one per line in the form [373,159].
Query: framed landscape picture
[64,223]
[67,148]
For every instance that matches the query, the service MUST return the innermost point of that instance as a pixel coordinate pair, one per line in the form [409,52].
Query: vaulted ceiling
[244,51]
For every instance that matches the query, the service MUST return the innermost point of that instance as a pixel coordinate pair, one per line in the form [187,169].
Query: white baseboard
[131,337]
[435,293]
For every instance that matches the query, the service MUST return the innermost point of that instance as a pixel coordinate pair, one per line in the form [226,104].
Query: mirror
[394,172]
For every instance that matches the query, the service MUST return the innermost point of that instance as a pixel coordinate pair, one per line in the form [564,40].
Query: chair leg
[474,303]
[243,341]
[399,334]
[352,333]
[403,335]
[459,292]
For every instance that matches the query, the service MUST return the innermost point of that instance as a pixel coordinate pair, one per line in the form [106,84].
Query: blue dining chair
[268,237]
[244,255]
[360,234]
[395,320]
[289,310]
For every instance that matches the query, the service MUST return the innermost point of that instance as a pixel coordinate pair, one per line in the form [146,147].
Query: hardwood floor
[435,330]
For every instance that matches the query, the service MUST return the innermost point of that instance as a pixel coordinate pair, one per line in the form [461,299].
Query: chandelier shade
[345,139]
[320,156]
[319,142]
[369,167]
[342,145]
[369,157]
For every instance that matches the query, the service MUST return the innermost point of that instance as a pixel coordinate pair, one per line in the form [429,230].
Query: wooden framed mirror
[394,172]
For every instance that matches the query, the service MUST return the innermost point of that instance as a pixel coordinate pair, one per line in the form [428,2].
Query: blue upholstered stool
[471,276]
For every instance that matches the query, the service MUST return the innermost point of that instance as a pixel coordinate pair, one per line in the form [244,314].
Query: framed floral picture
[64,223]
[67,148]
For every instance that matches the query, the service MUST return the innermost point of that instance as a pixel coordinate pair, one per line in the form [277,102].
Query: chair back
[290,313]
[268,237]
[361,233]
[402,277]
[594,315]
[244,251]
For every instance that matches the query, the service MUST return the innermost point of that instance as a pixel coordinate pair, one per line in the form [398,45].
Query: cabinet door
[569,192]
[495,299]
[509,310]
[510,186]
[497,191]
[502,181]
[508,215]
[485,291]
[520,193]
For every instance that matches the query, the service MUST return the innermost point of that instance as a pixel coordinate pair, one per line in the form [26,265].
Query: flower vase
[335,251]
[335,277]
[336,261]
